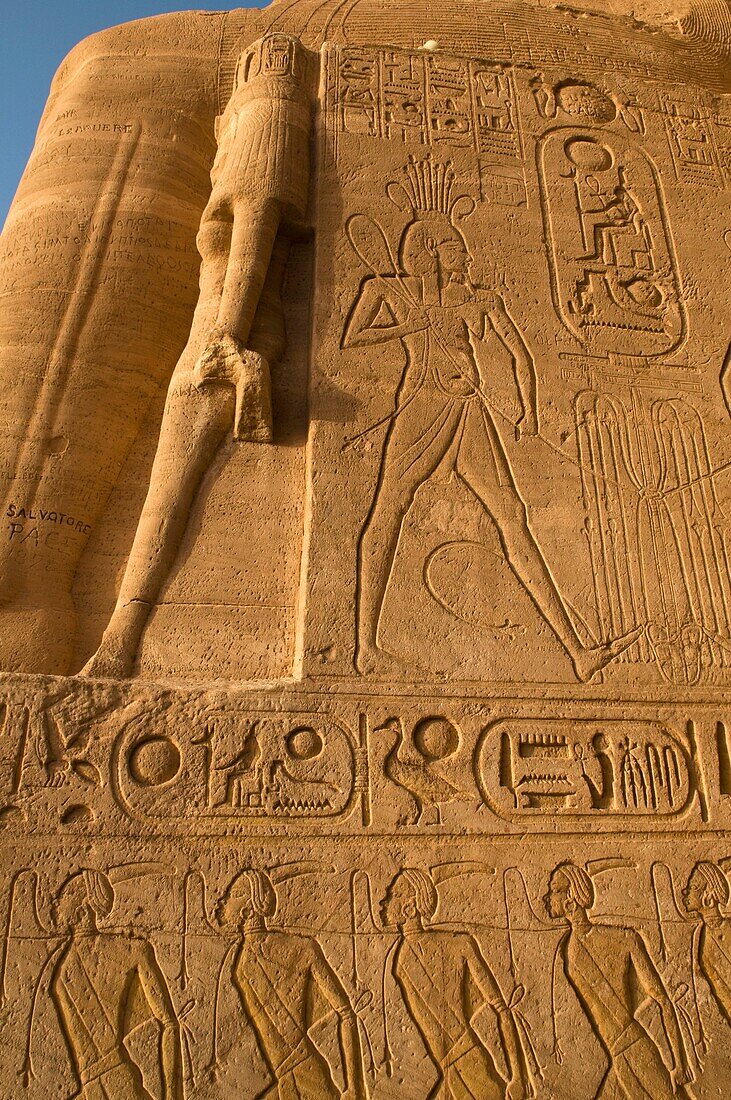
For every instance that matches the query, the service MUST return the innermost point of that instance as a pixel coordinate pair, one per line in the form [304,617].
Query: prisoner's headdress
[580,883]
[254,886]
[93,887]
[715,881]
[426,898]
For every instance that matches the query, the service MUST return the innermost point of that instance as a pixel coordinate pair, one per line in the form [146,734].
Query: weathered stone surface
[365,601]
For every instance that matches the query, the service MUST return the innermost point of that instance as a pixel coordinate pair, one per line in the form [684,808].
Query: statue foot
[108,663]
[115,657]
[592,660]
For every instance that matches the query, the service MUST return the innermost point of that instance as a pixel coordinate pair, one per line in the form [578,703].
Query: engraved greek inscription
[502,184]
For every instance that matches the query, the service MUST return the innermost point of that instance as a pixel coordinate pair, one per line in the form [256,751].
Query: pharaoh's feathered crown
[429,186]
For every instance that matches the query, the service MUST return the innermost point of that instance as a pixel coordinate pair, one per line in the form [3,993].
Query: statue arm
[158,997]
[350,1052]
[652,983]
[524,369]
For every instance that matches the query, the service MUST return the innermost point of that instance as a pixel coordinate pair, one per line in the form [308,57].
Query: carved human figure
[598,771]
[604,964]
[445,981]
[281,978]
[260,181]
[94,981]
[444,417]
[615,231]
[705,895]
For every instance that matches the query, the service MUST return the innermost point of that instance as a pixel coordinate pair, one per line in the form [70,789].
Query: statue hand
[517,1090]
[226,360]
[219,361]
[526,425]
[680,1076]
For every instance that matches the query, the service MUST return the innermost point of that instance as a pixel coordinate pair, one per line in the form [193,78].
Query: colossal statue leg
[260,182]
[197,417]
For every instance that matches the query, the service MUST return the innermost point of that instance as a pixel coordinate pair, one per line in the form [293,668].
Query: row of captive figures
[288,990]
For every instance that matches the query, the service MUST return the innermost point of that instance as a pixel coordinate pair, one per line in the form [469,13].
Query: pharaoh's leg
[483,466]
[194,423]
[417,441]
[198,414]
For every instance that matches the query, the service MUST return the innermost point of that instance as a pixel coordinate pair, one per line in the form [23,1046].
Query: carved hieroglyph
[365,579]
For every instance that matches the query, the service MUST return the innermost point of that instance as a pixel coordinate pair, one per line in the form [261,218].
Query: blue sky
[35,36]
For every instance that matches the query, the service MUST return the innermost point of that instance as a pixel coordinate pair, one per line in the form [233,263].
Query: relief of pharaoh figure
[444,416]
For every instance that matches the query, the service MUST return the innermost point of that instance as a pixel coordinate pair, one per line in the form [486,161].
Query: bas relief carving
[443,417]
[396,983]
[365,590]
